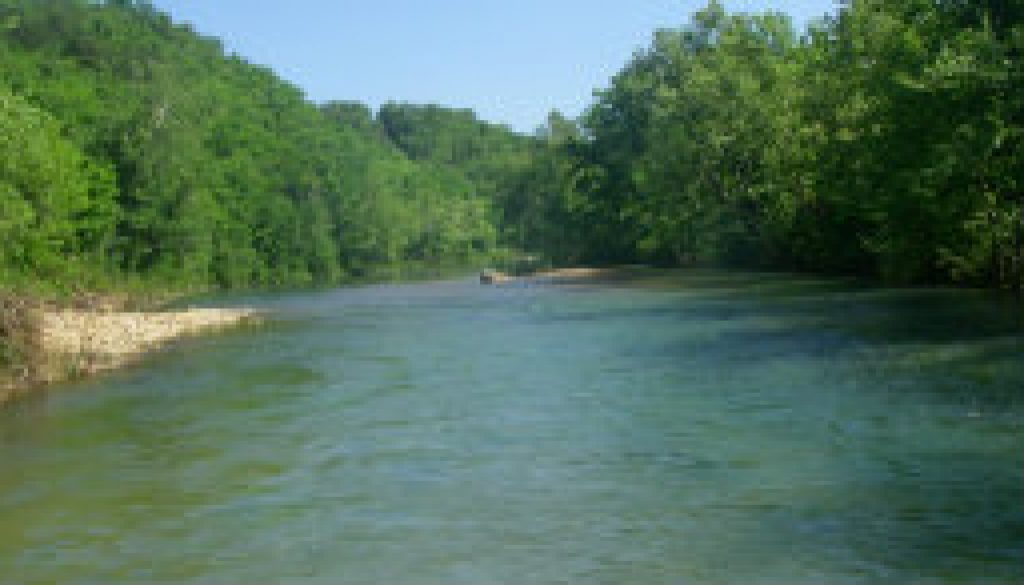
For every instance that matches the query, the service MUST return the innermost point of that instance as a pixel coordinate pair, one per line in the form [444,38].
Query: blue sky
[511,60]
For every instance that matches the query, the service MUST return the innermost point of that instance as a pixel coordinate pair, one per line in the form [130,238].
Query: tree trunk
[1018,252]
[996,275]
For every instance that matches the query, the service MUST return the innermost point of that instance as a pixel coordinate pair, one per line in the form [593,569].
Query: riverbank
[48,342]
[568,275]
[45,344]
[562,275]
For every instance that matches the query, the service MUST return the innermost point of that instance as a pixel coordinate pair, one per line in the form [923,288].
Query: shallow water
[675,427]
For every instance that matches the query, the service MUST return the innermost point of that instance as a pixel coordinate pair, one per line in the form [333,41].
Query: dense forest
[883,141]
[134,150]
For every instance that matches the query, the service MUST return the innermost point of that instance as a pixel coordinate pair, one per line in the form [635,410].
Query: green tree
[57,209]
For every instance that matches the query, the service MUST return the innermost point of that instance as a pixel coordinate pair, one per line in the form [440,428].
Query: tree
[57,204]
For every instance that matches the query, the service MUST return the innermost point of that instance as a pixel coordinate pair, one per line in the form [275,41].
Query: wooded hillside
[883,142]
[133,148]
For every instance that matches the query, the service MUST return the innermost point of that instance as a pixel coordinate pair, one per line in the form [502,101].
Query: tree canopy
[882,141]
[132,145]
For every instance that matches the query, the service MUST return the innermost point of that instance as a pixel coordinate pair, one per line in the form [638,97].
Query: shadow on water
[949,363]
[976,335]
[964,339]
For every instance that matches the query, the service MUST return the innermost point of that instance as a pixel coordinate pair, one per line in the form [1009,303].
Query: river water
[673,427]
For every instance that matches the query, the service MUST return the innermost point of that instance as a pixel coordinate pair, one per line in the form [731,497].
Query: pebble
[102,340]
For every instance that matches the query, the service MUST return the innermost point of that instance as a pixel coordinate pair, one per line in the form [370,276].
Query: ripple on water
[684,427]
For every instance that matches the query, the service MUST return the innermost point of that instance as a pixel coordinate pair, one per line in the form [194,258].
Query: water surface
[676,427]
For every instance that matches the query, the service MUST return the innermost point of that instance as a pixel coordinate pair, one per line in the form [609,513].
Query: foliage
[885,141]
[58,207]
[132,146]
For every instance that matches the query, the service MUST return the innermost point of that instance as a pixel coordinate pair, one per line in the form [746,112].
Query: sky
[512,61]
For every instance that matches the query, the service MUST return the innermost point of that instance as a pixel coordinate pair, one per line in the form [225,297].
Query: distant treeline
[885,141]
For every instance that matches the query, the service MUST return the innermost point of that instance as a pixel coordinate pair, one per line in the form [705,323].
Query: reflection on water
[673,427]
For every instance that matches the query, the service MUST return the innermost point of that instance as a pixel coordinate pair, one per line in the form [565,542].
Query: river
[672,427]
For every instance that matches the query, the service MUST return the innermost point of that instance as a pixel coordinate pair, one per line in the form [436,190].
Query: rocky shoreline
[70,343]
[96,333]
[555,275]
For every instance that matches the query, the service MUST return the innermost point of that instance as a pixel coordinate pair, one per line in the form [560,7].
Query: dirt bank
[75,342]
[581,273]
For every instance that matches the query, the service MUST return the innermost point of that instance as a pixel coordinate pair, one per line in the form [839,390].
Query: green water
[700,427]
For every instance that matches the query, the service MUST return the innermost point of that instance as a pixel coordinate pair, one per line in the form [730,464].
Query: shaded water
[701,427]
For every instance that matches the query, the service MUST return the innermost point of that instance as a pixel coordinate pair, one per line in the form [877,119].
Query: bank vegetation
[883,140]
